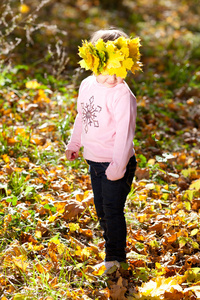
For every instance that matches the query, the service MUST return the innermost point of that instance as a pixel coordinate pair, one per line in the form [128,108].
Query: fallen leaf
[117,291]
[20,262]
[142,173]
[195,185]
[99,271]
[86,232]
[38,140]
[73,209]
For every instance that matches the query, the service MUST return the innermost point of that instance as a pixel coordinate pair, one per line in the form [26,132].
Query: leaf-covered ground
[50,239]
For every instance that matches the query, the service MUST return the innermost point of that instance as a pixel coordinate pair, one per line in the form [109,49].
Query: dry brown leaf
[41,229]
[157,226]
[196,204]
[117,291]
[103,294]
[175,295]
[142,173]
[27,237]
[73,209]
[16,250]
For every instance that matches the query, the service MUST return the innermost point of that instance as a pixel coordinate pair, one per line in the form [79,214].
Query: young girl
[105,126]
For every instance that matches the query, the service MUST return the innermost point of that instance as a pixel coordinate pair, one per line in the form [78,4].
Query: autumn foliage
[50,239]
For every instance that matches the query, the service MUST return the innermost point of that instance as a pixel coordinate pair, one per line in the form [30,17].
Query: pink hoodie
[105,125]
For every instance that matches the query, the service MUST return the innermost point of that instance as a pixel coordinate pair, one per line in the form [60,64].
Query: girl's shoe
[106,266]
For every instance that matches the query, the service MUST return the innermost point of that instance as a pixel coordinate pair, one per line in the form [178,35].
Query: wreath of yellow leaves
[112,57]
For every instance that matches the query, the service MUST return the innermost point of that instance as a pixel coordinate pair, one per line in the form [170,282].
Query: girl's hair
[107,35]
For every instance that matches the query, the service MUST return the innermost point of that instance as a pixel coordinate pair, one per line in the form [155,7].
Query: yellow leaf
[60,207]
[6,158]
[78,251]
[61,248]
[20,262]
[190,160]
[40,268]
[12,141]
[53,284]
[52,218]
[189,172]
[19,297]
[111,57]
[38,234]
[35,247]
[195,185]
[33,84]
[73,227]
[100,271]
[158,287]
[20,131]
[142,218]
[158,265]
[23,160]
[55,242]
[102,255]
[114,57]
[79,197]
[24,9]
[18,169]
[41,97]
[194,231]
[38,140]
[151,161]
[148,287]
[86,252]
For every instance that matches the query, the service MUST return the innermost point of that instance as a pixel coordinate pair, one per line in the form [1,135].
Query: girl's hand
[71,155]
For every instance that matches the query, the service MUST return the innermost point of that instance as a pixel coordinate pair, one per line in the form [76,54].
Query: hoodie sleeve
[125,117]
[75,140]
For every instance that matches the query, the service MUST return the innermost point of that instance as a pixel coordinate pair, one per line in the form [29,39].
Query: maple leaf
[21,262]
[117,291]
[157,288]
[73,209]
[90,58]
[114,57]
[111,57]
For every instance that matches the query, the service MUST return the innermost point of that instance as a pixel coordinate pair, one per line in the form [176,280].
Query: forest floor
[50,238]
